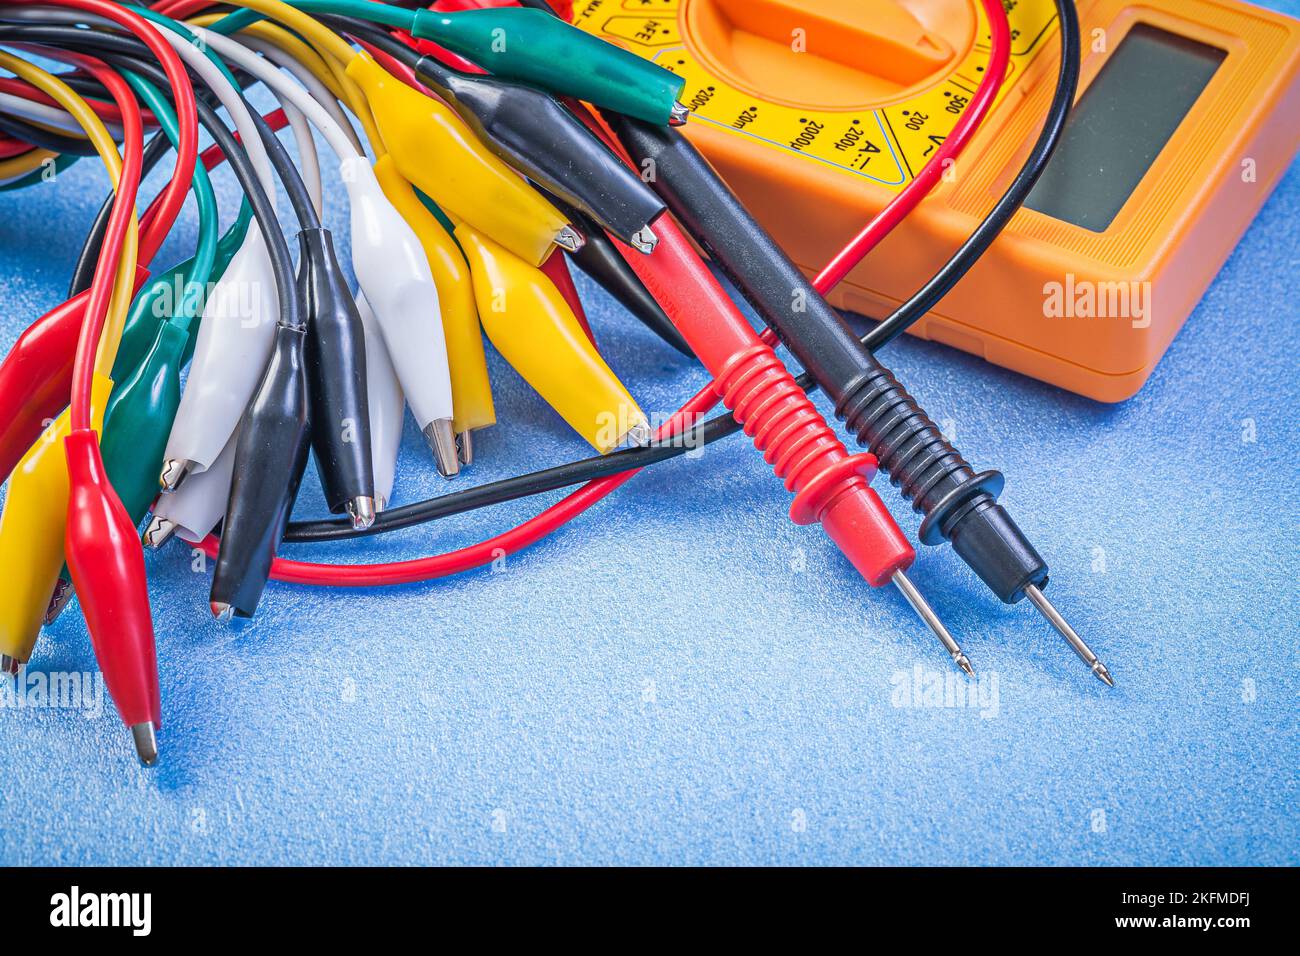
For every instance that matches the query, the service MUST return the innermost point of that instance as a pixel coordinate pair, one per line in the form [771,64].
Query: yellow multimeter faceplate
[1184,124]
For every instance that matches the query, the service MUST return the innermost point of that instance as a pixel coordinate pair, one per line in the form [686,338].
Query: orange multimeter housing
[818,112]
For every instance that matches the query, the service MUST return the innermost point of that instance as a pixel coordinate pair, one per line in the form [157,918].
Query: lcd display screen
[1121,124]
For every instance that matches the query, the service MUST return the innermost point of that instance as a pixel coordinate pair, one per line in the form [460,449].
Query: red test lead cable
[940,163]
[535,529]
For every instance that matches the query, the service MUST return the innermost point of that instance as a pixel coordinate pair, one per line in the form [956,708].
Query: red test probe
[830,485]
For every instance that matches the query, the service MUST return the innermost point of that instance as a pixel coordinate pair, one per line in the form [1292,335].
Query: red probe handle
[830,485]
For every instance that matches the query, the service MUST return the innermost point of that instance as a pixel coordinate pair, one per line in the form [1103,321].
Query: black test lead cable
[959,505]
[722,426]
[717,428]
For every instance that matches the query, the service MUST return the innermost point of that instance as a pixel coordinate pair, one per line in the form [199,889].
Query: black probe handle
[958,504]
[336,375]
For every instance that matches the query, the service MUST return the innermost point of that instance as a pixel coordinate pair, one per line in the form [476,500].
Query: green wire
[205,252]
[387,14]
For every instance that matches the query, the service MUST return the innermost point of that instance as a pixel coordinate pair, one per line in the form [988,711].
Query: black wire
[83,273]
[1058,114]
[294,187]
[124,52]
[44,138]
[910,312]
[715,429]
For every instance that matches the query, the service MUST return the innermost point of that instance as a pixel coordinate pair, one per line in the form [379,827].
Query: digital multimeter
[1188,116]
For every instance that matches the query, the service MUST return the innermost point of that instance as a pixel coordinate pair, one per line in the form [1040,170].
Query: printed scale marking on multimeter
[887,145]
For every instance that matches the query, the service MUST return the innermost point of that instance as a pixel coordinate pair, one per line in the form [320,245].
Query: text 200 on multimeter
[1188,115]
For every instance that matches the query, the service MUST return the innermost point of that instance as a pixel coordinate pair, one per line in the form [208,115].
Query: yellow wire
[302,52]
[124,281]
[335,51]
[17,166]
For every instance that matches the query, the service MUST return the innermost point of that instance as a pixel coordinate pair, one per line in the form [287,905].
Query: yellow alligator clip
[32,525]
[437,152]
[533,327]
[471,389]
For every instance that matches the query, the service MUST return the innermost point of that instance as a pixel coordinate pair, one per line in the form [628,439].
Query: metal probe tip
[442,442]
[224,613]
[158,531]
[174,473]
[380,504]
[680,114]
[1085,653]
[63,592]
[927,614]
[645,241]
[465,447]
[570,239]
[146,744]
[10,666]
[362,511]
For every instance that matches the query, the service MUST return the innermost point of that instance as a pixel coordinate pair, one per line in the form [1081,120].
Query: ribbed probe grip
[912,450]
[830,485]
[958,504]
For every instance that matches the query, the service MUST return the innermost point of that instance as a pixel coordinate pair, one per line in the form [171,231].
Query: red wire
[13,147]
[556,269]
[174,194]
[101,287]
[907,200]
[533,530]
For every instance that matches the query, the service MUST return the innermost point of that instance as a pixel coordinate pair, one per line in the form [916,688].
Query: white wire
[215,80]
[302,135]
[284,59]
[54,116]
[235,52]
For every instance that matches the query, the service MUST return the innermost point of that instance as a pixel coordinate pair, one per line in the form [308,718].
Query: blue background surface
[684,676]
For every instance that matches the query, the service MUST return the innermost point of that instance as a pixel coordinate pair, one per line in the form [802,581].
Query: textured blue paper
[684,676]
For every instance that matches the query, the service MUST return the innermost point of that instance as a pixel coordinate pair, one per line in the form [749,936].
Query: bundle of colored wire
[521,174]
